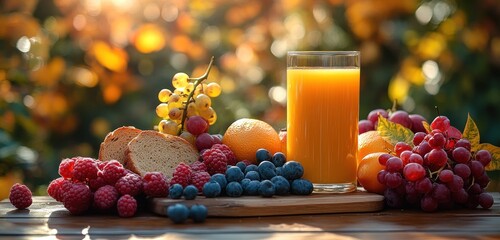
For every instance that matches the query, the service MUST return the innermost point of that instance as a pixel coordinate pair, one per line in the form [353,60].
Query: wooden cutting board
[249,206]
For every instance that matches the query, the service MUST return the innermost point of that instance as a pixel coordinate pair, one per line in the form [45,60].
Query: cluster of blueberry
[272,176]
[179,213]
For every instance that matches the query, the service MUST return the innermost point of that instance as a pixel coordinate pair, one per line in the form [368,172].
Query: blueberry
[234,189]
[292,170]
[242,166]
[198,213]
[279,171]
[301,187]
[190,192]
[281,185]
[252,188]
[266,188]
[267,170]
[221,179]
[234,174]
[278,159]
[211,189]
[263,155]
[178,213]
[244,183]
[253,175]
[175,191]
[251,167]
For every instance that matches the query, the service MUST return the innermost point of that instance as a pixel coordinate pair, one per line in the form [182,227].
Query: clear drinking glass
[322,117]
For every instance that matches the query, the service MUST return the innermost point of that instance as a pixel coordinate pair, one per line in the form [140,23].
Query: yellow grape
[213,89]
[174,98]
[203,101]
[208,114]
[200,89]
[175,113]
[168,127]
[188,137]
[180,80]
[174,105]
[162,110]
[212,118]
[164,95]
[189,88]
[192,110]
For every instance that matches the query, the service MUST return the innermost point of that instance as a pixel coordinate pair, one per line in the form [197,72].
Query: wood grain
[250,206]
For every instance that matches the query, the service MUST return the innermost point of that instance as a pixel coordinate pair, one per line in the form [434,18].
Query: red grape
[196,125]
[428,204]
[373,115]
[416,158]
[393,199]
[405,156]
[456,184]
[446,176]
[424,148]
[393,180]
[438,157]
[437,141]
[365,126]
[400,147]
[461,196]
[441,122]
[382,159]
[440,192]
[477,168]
[204,141]
[394,164]
[475,189]
[461,155]
[453,133]
[414,172]
[401,117]
[416,123]
[462,170]
[463,143]
[485,200]
[484,157]
[483,180]
[381,176]
[418,138]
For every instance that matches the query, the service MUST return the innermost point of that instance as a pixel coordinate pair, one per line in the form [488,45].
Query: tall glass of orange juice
[322,117]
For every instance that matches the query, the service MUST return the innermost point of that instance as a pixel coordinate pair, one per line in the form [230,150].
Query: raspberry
[20,196]
[231,159]
[198,166]
[199,179]
[84,168]
[105,197]
[77,197]
[97,182]
[113,171]
[215,160]
[155,184]
[66,167]
[182,175]
[130,184]
[54,189]
[127,206]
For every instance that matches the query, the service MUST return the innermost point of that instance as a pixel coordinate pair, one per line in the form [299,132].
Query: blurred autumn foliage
[73,70]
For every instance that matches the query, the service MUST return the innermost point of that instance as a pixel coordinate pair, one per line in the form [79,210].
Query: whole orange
[371,142]
[245,136]
[368,169]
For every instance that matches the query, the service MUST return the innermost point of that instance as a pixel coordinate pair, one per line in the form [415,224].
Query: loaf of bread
[154,151]
[115,143]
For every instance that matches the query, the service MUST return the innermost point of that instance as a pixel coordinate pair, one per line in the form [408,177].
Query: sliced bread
[115,143]
[154,151]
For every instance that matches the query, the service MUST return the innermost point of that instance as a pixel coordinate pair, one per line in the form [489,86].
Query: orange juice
[322,122]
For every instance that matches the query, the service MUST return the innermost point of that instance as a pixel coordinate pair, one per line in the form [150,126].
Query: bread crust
[115,143]
[154,151]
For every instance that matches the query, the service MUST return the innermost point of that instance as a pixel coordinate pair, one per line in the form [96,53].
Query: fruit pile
[439,172]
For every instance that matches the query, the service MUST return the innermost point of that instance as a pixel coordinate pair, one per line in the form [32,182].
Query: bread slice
[115,143]
[154,151]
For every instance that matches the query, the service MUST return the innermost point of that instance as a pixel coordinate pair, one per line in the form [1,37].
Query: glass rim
[319,53]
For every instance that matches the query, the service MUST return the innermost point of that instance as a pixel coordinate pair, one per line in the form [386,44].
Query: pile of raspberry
[88,184]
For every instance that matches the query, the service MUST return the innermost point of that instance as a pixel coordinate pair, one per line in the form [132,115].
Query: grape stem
[197,81]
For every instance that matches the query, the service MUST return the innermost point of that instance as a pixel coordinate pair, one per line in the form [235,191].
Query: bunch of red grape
[439,172]
[410,121]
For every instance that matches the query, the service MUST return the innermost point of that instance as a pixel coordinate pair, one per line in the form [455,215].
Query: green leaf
[471,133]
[495,156]
[393,132]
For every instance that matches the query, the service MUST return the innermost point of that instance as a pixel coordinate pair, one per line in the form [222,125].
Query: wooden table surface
[49,219]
